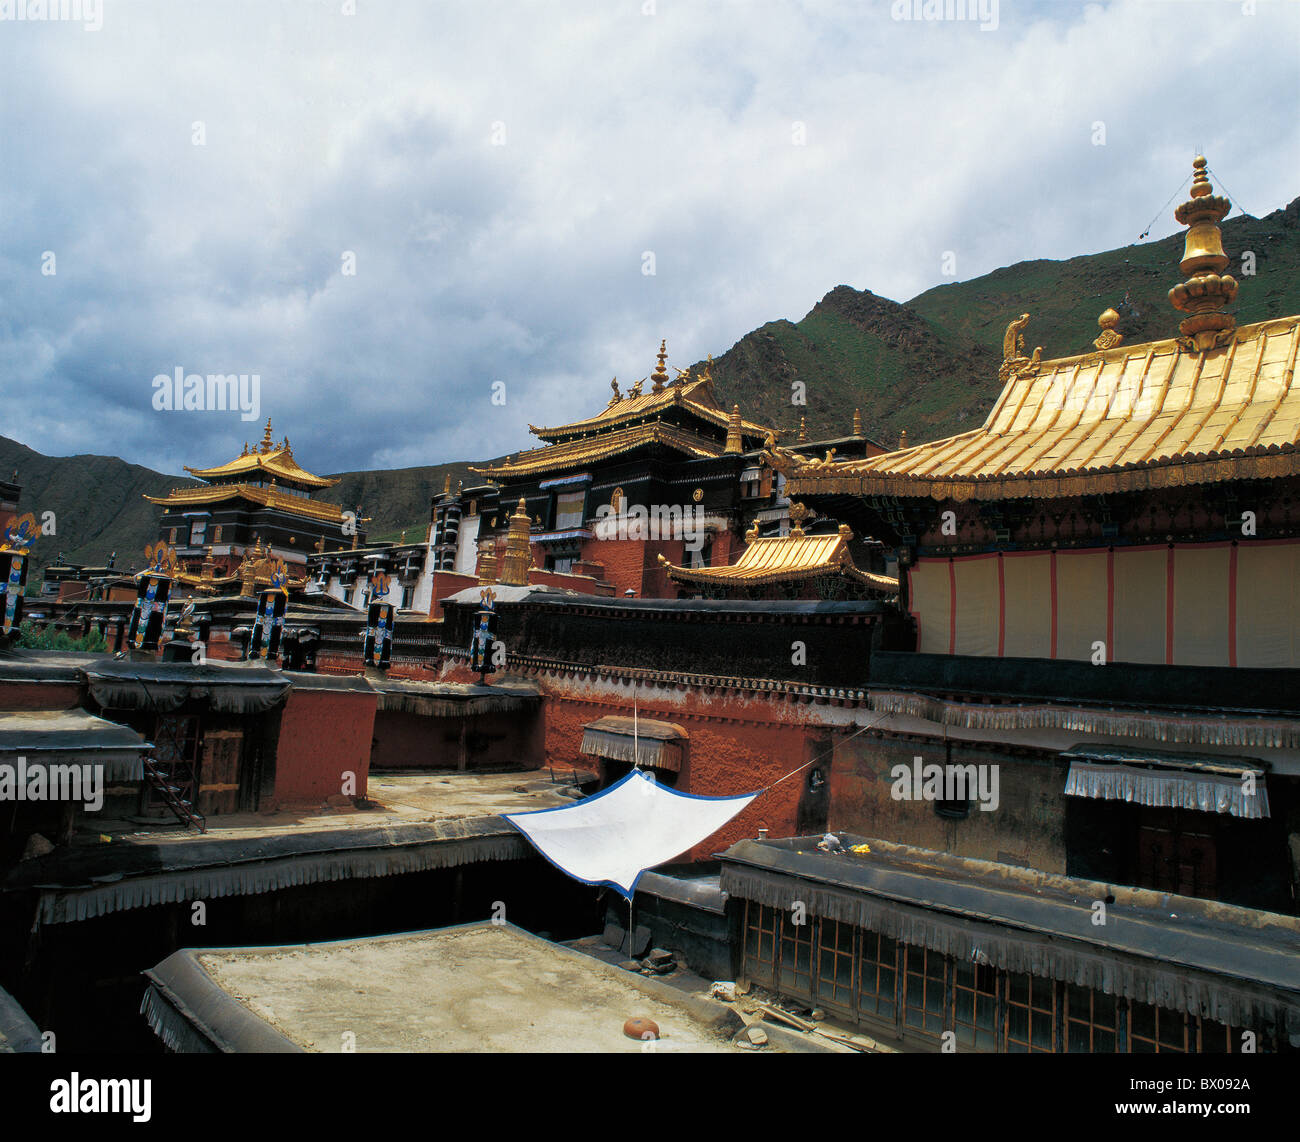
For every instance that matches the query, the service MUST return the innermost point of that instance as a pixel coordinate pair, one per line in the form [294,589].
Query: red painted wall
[735,747]
[323,733]
[40,695]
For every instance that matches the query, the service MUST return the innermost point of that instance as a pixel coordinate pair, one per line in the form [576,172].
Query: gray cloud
[619,132]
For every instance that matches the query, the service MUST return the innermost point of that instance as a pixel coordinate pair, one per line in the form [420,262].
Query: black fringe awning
[167,686]
[200,869]
[1237,976]
[455,700]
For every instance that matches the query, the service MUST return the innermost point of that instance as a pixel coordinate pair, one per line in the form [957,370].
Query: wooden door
[219,775]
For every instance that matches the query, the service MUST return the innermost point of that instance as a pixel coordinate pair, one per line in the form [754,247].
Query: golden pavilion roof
[268,497]
[785,559]
[1128,418]
[268,458]
[586,450]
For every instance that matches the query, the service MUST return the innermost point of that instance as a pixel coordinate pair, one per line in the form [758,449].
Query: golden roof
[785,559]
[268,497]
[587,450]
[275,460]
[1125,419]
[695,395]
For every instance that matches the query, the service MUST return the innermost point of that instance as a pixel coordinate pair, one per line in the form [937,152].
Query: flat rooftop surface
[402,799]
[473,988]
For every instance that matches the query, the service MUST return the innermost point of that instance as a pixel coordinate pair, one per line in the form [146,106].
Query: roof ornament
[798,513]
[660,376]
[706,374]
[733,431]
[1207,290]
[683,377]
[1109,336]
[617,395]
[779,459]
[1014,361]
[635,390]
[857,422]
[803,431]
[266,437]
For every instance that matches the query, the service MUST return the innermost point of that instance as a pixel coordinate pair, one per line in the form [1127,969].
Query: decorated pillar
[272,604]
[153,587]
[15,545]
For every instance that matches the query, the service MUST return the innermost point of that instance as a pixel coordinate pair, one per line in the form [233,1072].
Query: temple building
[260,497]
[797,565]
[653,473]
[1101,582]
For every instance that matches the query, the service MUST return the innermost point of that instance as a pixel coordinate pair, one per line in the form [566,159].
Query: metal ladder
[183,810]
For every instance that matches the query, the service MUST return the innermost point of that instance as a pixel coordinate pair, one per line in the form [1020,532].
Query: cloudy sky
[501,176]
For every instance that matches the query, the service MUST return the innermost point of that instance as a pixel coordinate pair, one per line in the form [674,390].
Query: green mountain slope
[930,365]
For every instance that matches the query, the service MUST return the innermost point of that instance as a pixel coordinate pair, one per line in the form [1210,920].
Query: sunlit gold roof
[275,460]
[587,450]
[1129,418]
[268,497]
[696,395]
[785,559]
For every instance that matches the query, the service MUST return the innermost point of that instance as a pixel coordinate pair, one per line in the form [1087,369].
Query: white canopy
[614,836]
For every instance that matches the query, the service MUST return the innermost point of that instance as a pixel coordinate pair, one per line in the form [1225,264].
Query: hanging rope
[819,757]
[1177,191]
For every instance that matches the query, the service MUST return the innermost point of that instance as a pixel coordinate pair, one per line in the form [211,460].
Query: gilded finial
[1109,336]
[618,396]
[446,484]
[902,440]
[857,422]
[266,437]
[733,431]
[660,376]
[803,431]
[798,513]
[1207,290]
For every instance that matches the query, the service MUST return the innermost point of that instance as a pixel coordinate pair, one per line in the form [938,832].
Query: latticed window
[796,955]
[1092,1020]
[877,976]
[835,963]
[975,1006]
[1031,1013]
[924,981]
[761,926]
[1155,1030]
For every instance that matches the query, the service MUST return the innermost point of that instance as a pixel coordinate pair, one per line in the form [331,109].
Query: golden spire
[902,440]
[659,377]
[266,437]
[803,432]
[446,484]
[518,557]
[487,561]
[733,431]
[1109,337]
[1206,291]
[857,422]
